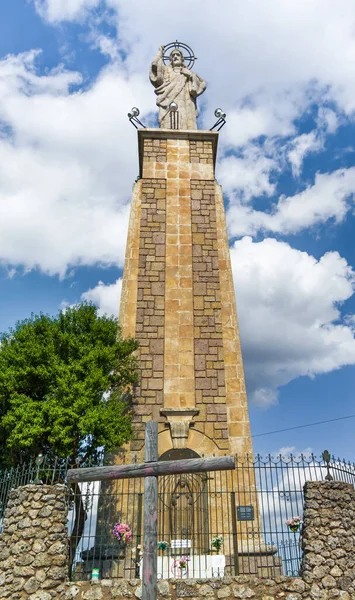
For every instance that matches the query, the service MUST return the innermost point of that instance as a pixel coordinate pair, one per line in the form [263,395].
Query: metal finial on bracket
[326,457]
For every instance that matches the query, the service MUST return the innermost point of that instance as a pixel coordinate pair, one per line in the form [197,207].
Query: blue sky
[69,72]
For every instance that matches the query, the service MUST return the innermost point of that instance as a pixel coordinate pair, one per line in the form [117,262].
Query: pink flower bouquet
[294,523]
[182,562]
[122,533]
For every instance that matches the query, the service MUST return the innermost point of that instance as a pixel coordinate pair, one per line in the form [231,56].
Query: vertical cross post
[150,540]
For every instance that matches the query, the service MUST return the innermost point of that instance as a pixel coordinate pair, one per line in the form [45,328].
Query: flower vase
[217,565]
[294,528]
[183,571]
[121,550]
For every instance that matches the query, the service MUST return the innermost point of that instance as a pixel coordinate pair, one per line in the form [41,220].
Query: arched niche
[179,454]
[183,506]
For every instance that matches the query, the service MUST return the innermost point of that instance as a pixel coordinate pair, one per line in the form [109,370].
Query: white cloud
[263,396]
[288,311]
[289,317]
[64,10]
[328,120]
[271,50]
[69,153]
[350,321]
[307,143]
[301,146]
[285,450]
[329,198]
[249,174]
[106,297]
[263,86]
[67,167]
[69,159]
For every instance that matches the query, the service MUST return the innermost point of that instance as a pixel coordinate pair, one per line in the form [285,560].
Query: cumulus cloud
[248,175]
[288,304]
[68,160]
[264,87]
[312,142]
[301,146]
[329,198]
[55,11]
[312,43]
[105,296]
[285,450]
[69,154]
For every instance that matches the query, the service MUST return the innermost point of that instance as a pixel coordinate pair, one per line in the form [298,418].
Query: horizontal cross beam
[164,467]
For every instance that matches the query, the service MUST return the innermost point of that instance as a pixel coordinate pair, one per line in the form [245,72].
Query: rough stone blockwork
[34,544]
[201,152]
[214,589]
[328,539]
[155,150]
[33,554]
[150,305]
[209,359]
[243,587]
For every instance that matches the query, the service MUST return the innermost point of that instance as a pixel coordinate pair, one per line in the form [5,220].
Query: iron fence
[41,469]
[246,510]
[279,481]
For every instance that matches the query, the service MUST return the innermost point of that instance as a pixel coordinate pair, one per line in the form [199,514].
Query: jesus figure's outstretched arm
[157,68]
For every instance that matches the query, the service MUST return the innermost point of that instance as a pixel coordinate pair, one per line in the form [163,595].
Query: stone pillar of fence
[34,543]
[328,539]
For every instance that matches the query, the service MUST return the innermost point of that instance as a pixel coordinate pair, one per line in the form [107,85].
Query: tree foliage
[63,386]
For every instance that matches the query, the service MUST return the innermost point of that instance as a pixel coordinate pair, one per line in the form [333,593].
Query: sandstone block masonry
[150,310]
[155,150]
[210,388]
[201,152]
[34,544]
[178,300]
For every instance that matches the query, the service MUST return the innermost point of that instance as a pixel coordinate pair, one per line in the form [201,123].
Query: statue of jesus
[176,83]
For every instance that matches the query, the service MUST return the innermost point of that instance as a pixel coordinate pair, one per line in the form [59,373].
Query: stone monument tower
[178,301]
[178,296]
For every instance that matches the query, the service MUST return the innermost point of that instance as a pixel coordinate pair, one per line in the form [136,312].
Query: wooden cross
[150,470]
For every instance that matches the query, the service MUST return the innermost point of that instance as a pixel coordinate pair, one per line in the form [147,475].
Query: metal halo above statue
[188,53]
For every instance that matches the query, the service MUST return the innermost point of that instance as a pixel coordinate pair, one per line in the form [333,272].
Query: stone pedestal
[178,300]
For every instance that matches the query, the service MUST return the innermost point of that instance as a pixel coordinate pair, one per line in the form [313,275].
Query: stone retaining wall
[328,537]
[34,557]
[242,587]
[34,544]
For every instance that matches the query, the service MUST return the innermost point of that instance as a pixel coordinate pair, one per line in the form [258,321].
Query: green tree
[63,390]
